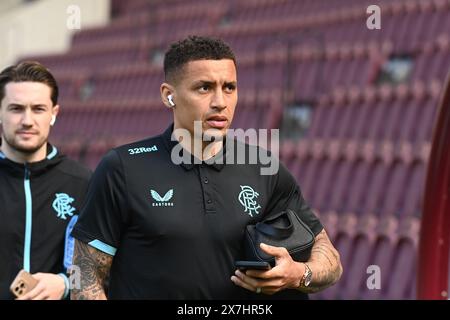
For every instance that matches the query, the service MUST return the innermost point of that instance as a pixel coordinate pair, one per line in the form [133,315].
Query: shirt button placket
[207,192]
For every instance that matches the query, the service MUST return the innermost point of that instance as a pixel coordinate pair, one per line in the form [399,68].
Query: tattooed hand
[324,263]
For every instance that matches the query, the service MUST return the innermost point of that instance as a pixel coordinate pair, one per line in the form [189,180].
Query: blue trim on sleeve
[66,285]
[69,246]
[106,248]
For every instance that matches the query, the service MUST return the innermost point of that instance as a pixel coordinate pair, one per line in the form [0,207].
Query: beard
[213,134]
[17,146]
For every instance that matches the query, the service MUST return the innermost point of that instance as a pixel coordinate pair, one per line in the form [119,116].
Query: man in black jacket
[41,191]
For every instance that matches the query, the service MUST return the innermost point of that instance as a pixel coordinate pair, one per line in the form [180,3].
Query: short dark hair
[194,48]
[29,71]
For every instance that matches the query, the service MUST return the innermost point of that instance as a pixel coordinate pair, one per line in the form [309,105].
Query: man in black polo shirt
[169,229]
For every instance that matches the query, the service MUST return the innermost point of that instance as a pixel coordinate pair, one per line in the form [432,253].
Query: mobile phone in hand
[23,283]
[255,265]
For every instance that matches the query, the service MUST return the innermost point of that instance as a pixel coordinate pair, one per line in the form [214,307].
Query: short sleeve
[287,195]
[104,213]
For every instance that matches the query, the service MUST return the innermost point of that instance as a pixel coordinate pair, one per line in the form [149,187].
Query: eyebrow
[214,82]
[24,106]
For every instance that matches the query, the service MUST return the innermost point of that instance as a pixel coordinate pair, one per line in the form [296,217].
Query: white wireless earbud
[52,122]
[170,98]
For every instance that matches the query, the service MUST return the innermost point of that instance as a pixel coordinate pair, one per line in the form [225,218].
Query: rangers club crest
[247,198]
[62,205]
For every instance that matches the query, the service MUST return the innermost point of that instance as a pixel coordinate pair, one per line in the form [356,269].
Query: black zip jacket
[37,202]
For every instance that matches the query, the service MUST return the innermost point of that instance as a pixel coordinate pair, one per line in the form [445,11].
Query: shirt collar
[36,168]
[217,162]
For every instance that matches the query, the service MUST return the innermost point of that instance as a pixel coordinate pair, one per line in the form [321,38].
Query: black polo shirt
[176,230]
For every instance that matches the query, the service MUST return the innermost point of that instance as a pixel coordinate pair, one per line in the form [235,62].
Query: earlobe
[52,122]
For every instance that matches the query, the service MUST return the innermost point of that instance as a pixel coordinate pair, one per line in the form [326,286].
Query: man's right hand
[50,287]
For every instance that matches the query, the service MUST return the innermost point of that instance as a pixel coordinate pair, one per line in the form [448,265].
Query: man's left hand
[286,273]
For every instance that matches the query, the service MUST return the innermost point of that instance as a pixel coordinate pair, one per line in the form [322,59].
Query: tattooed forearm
[324,253]
[94,267]
[324,263]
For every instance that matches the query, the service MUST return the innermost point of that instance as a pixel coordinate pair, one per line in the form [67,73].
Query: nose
[218,100]
[27,119]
